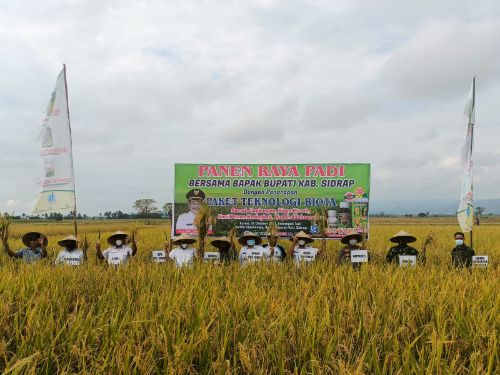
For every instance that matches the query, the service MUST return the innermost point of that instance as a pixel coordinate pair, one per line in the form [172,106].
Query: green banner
[316,198]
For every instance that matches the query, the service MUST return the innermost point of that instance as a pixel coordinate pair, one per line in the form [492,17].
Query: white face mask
[353,242]
[302,242]
[459,242]
[118,242]
[184,245]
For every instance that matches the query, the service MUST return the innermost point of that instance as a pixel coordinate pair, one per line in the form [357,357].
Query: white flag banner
[56,182]
[465,210]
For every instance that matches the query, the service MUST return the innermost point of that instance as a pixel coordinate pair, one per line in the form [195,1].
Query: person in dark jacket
[461,255]
[352,241]
[403,239]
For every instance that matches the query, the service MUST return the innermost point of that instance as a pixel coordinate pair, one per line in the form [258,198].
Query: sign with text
[249,196]
[159,256]
[480,261]
[359,256]
[211,256]
[115,258]
[407,260]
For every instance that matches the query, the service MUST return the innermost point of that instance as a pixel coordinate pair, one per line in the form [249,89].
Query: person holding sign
[119,250]
[301,250]
[185,222]
[402,239]
[351,240]
[70,254]
[251,250]
[184,254]
[225,247]
[36,246]
[461,255]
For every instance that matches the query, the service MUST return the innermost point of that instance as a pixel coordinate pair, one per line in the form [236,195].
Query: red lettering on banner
[278,171]
[325,171]
[224,171]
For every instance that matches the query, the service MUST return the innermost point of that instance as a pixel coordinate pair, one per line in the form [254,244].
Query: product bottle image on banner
[360,212]
[345,215]
[332,219]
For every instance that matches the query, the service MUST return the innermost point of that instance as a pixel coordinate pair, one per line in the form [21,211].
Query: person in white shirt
[301,250]
[70,254]
[185,254]
[278,253]
[119,250]
[185,222]
[251,250]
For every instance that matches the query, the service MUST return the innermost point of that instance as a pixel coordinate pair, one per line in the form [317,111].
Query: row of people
[121,247]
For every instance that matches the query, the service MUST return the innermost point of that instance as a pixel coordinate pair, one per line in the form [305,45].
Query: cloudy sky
[152,83]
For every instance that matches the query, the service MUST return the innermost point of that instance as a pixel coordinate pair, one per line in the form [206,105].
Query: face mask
[459,242]
[353,242]
[302,242]
[251,242]
[184,245]
[118,242]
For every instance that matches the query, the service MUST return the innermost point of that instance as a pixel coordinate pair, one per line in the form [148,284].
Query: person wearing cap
[461,255]
[301,250]
[226,249]
[352,241]
[118,245]
[184,254]
[36,247]
[70,254]
[278,253]
[251,250]
[185,222]
[402,239]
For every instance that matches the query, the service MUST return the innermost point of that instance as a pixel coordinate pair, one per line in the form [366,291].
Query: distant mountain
[432,206]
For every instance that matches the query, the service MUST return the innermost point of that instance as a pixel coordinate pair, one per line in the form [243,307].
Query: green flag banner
[329,199]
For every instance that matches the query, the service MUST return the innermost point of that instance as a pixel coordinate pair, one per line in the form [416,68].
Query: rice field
[147,318]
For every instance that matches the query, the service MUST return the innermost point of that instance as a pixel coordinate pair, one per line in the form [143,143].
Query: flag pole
[471,143]
[75,223]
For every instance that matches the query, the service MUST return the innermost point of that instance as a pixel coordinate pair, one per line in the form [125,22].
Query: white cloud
[154,83]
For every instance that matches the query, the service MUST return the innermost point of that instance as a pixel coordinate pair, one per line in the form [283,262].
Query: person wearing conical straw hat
[225,247]
[252,251]
[70,254]
[36,246]
[402,239]
[185,254]
[301,250]
[118,247]
[351,241]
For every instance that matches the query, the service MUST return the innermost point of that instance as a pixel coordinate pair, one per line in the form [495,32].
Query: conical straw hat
[67,240]
[183,238]
[403,236]
[112,239]
[303,235]
[30,236]
[247,235]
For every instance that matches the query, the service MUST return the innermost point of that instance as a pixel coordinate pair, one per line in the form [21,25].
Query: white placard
[116,258]
[306,255]
[407,260]
[159,256]
[359,256]
[480,261]
[255,256]
[73,260]
[211,256]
